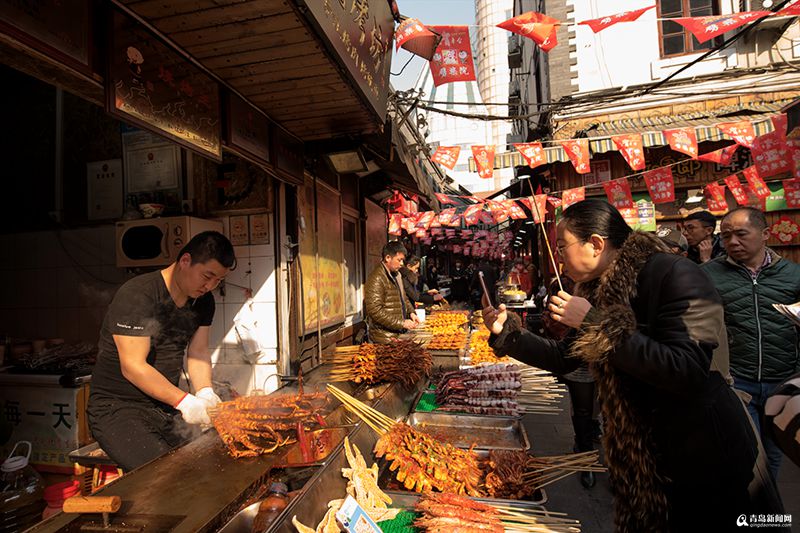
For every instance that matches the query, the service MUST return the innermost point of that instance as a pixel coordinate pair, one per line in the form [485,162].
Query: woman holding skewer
[681,451]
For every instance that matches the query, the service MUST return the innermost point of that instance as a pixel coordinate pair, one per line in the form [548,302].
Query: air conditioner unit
[514,51]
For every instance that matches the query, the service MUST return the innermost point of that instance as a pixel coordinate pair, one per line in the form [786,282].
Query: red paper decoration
[742,132]
[452,60]
[446,215]
[538,209]
[618,193]
[533,153]
[791,192]
[447,156]
[781,122]
[715,197]
[555,202]
[472,214]
[395,224]
[573,196]
[722,157]
[514,210]
[498,211]
[757,185]
[632,149]
[771,154]
[706,28]
[600,24]
[791,10]
[660,185]
[484,160]
[536,26]
[444,199]
[578,152]
[736,188]
[413,36]
[683,140]
[784,229]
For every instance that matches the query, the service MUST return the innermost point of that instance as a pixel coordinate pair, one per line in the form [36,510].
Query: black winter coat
[705,449]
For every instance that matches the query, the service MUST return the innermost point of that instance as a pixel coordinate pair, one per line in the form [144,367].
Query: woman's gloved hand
[208,394]
[193,409]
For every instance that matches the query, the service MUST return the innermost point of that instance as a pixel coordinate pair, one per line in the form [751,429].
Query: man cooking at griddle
[154,319]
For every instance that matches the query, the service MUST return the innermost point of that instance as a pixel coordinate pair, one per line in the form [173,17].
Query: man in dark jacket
[704,244]
[763,343]
[388,309]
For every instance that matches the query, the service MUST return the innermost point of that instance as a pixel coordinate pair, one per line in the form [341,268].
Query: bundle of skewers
[500,389]
[404,362]
[448,341]
[446,322]
[421,462]
[255,425]
[449,512]
[516,475]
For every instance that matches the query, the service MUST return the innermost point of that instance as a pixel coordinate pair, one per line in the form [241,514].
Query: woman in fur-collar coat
[680,447]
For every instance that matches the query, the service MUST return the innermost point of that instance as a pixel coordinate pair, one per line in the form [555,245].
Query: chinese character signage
[742,132]
[537,205]
[578,152]
[618,193]
[452,60]
[484,160]
[715,197]
[723,157]
[600,24]
[533,153]
[447,156]
[757,184]
[361,32]
[771,154]
[660,185]
[706,28]
[735,186]
[791,190]
[683,140]
[152,86]
[630,146]
[573,196]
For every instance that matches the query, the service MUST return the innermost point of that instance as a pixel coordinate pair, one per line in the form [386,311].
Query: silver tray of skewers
[478,431]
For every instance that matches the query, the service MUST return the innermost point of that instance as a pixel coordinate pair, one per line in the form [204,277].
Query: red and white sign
[535,26]
[631,148]
[533,153]
[784,229]
[446,215]
[554,201]
[660,185]
[538,209]
[600,24]
[757,184]
[447,156]
[715,197]
[455,222]
[395,221]
[791,10]
[791,191]
[578,152]
[425,220]
[498,211]
[452,60]
[618,193]
[413,36]
[573,196]
[514,210]
[683,140]
[737,189]
[722,157]
[742,132]
[771,154]
[706,28]
[484,160]
[444,199]
[472,214]
[781,123]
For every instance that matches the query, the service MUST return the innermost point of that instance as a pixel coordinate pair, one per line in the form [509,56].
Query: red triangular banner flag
[618,193]
[455,222]
[446,215]
[447,156]
[472,214]
[771,155]
[631,148]
[706,28]
[735,186]
[444,199]
[715,197]
[791,191]
[757,184]
[484,160]
[573,196]
[554,201]
[395,224]
[538,210]
[514,210]
[578,152]
[498,211]
[413,36]
[533,153]
[536,26]
[683,140]
[600,24]
[660,185]
[722,157]
[452,60]
[742,132]
[781,123]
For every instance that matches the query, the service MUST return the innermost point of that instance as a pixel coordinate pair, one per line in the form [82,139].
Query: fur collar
[640,502]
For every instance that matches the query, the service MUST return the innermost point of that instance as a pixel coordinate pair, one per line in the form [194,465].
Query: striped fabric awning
[651,130]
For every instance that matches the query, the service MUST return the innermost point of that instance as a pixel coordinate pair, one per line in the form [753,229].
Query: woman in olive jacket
[680,447]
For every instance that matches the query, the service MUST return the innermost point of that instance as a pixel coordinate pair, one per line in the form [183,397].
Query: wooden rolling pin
[92,504]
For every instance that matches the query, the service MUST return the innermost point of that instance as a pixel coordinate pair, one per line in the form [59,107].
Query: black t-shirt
[143,307]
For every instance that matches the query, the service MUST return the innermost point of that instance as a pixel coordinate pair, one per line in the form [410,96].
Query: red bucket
[55,495]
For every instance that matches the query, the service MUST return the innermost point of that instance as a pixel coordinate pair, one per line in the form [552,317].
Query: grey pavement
[553,435]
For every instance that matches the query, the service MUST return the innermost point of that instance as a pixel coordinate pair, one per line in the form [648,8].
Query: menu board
[247,129]
[56,27]
[306,207]
[329,241]
[152,86]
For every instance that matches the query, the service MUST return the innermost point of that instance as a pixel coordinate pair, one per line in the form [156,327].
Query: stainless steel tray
[406,500]
[463,431]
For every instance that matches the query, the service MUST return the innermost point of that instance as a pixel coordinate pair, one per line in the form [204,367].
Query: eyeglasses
[560,248]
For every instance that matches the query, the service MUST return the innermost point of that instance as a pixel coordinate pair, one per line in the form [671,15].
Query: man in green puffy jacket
[389,312]
[763,343]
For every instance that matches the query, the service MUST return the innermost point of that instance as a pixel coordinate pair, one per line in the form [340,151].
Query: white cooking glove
[208,394]
[193,409]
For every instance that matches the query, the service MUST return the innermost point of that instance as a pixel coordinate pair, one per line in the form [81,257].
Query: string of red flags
[598,25]
[706,28]
[578,152]
[683,140]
